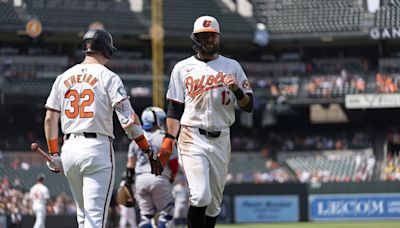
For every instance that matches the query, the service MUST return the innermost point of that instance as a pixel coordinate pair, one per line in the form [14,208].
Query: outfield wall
[261,203]
[253,203]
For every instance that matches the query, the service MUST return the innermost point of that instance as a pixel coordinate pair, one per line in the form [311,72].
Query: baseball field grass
[359,224]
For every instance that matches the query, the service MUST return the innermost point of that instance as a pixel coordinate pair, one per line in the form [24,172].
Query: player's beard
[211,50]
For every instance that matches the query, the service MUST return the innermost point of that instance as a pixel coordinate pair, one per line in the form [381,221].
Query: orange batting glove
[166,149]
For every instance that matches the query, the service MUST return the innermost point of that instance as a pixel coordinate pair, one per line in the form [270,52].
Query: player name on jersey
[197,86]
[79,78]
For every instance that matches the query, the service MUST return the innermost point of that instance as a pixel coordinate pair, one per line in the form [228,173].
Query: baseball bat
[35,148]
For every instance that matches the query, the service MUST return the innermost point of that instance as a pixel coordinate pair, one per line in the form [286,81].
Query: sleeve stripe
[52,109]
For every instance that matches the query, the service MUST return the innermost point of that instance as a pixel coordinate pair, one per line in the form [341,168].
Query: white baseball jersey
[199,85]
[39,194]
[142,162]
[83,92]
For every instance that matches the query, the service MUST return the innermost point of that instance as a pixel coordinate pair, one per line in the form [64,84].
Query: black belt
[86,134]
[210,134]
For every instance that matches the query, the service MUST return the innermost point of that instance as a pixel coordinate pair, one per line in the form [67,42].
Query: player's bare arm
[173,126]
[51,130]
[175,111]
[131,163]
[51,133]
[244,100]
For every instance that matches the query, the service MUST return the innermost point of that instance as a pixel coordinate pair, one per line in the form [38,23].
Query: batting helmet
[98,40]
[152,116]
[203,24]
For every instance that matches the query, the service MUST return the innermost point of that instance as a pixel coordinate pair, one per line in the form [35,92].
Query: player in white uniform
[181,194]
[85,97]
[127,217]
[202,92]
[154,194]
[39,194]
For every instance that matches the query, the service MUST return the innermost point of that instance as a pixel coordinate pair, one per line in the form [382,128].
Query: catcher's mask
[98,40]
[153,116]
[203,24]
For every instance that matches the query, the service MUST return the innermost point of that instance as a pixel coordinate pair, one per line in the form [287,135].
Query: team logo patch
[246,84]
[206,23]
[121,90]
[125,120]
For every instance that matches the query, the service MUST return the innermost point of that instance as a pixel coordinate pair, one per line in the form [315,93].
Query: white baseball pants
[205,164]
[89,167]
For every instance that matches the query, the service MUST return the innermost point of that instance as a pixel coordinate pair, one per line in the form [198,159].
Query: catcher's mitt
[125,195]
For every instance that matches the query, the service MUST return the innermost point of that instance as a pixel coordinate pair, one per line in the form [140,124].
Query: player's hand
[156,167]
[230,82]
[55,165]
[166,150]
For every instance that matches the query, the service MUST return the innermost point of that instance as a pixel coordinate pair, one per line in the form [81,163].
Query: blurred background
[323,140]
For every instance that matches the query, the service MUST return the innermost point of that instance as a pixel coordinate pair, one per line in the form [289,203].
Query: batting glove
[156,167]
[55,165]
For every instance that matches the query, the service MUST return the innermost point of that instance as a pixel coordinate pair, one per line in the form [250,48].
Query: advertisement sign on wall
[261,208]
[354,206]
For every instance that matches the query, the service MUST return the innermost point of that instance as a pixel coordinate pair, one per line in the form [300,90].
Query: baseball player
[127,217]
[202,91]
[181,195]
[154,194]
[39,194]
[85,97]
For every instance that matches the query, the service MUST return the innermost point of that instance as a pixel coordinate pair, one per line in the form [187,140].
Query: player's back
[39,194]
[87,94]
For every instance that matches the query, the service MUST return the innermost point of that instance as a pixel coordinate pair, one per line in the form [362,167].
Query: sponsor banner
[385,33]
[361,101]
[261,208]
[354,206]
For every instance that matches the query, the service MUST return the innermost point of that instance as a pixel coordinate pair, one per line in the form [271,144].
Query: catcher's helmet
[152,116]
[98,40]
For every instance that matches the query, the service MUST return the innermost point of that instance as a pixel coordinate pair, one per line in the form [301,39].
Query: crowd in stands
[318,141]
[387,83]
[392,170]
[362,170]
[14,200]
[392,166]
[274,173]
[324,86]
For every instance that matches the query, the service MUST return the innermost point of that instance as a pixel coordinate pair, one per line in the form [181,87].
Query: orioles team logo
[197,86]
[206,23]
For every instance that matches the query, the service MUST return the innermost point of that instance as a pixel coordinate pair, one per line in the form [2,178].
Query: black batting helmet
[98,40]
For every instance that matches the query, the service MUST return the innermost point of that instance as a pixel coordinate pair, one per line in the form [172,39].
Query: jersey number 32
[79,109]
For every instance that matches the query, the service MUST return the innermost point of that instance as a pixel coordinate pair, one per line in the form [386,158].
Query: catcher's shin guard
[164,221]
[145,221]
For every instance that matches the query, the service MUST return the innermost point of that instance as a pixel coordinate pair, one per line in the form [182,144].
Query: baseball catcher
[153,193]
